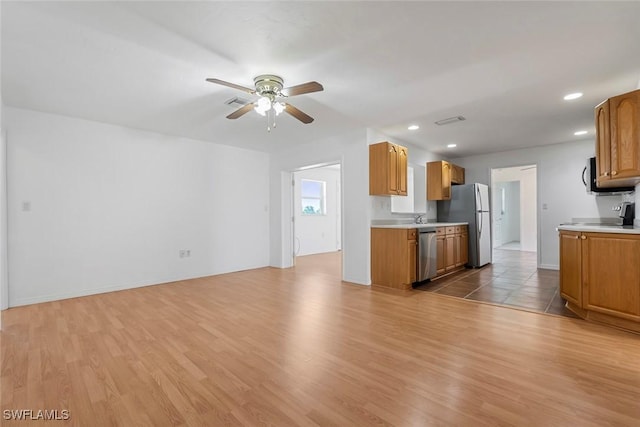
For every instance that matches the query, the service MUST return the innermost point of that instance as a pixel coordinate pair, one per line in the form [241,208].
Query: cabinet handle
[614,173]
[605,174]
[583,237]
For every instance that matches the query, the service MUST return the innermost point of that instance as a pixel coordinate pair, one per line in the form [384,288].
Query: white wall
[512,214]
[561,193]
[4,290]
[318,233]
[351,151]
[4,282]
[528,210]
[95,207]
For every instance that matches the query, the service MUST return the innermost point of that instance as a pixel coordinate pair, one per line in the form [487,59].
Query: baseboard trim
[549,266]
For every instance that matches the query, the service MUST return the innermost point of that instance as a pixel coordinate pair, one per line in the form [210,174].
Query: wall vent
[236,100]
[450,120]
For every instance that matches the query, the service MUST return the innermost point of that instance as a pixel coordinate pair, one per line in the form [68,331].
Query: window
[313,197]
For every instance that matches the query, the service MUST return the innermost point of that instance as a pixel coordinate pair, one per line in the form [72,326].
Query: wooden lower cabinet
[600,276]
[571,266]
[453,248]
[394,254]
[450,249]
[440,252]
[611,274]
[393,257]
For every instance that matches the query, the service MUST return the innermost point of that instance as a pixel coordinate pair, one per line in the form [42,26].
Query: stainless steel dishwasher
[427,253]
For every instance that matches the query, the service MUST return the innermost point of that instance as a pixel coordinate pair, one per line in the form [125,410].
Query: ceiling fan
[270,88]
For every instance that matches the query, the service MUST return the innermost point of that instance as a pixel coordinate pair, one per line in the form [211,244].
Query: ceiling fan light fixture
[278,107]
[263,105]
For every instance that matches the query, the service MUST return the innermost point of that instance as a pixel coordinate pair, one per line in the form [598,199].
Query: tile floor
[512,280]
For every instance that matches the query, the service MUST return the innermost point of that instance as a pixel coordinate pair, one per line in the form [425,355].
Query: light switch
[26,206]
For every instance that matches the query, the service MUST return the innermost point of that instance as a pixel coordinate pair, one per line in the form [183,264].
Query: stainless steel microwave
[589,176]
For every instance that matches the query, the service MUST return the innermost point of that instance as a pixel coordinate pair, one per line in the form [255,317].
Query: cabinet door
[438,180]
[611,274]
[464,247]
[570,267]
[456,250]
[603,147]
[393,168]
[449,252]
[457,174]
[624,128]
[446,181]
[402,170]
[412,246]
[440,254]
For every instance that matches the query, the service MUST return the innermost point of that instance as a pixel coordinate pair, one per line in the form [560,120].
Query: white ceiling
[505,66]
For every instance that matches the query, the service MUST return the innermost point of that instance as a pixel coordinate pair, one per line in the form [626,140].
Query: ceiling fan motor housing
[268,85]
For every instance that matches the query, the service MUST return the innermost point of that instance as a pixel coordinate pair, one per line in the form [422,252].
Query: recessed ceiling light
[572,96]
[580,132]
[451,145]
[413,127]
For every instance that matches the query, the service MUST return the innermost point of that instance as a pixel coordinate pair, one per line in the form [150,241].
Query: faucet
[418,219]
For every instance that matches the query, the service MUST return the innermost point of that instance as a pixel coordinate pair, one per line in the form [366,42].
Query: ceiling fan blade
[241,111]
[303,88]
[233,85]
[303,117]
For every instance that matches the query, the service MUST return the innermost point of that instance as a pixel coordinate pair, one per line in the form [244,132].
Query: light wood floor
[298,347]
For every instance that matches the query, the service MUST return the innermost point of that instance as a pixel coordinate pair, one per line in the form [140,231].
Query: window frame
[322,198]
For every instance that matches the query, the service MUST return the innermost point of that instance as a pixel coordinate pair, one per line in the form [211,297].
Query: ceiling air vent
[236,100]
[450,120]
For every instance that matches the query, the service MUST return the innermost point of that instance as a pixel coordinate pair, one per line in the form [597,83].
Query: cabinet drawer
[450,230]
[412,234]
[440,231]
[458,229]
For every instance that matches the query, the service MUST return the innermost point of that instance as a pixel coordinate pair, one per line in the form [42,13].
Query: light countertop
[413,225]
[600,228]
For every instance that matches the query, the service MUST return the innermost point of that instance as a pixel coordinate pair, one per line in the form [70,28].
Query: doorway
[514,202]
[317,217]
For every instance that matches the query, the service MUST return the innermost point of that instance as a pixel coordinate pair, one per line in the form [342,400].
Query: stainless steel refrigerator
[470,203]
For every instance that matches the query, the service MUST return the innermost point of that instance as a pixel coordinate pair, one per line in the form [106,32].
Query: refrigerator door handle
[478,199]
[480,228]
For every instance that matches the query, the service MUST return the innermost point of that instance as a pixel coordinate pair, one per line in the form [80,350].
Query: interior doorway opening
[514,201]
[317,217]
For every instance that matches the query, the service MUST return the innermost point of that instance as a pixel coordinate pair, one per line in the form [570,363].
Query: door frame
[289,214]
[537,204]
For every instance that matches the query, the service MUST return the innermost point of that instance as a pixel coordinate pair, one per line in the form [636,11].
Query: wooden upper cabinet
[387,169]
[603,143]
[439,180]
[571,266]
[457,174]
[617,123]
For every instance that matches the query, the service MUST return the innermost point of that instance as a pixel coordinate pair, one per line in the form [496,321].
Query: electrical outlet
[182,253]
[187,253]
